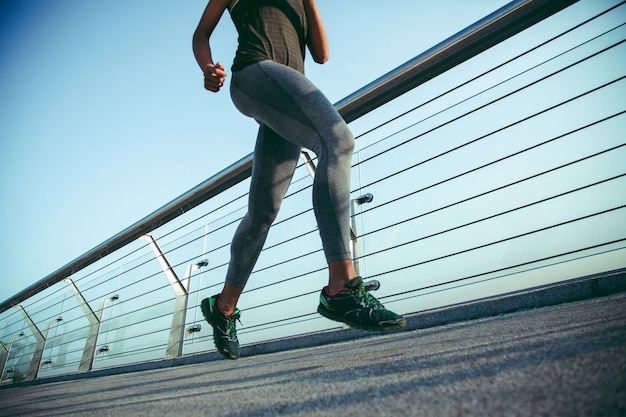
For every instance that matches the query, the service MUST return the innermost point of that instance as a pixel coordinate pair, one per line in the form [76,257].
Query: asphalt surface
[565,360]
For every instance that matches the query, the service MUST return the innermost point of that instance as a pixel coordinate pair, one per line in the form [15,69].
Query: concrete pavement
[564,360]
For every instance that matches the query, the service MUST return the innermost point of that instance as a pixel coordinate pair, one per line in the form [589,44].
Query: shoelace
[231,323]
[365,297]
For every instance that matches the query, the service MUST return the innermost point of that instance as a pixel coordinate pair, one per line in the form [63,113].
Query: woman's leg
[274,163]
[288,103]
[273,166]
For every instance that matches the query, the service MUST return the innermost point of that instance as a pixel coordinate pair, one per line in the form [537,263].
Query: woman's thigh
[289,103]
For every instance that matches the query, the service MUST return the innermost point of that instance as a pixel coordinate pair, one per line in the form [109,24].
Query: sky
[104,119]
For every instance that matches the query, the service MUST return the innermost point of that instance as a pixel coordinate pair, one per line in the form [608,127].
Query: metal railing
[478,188]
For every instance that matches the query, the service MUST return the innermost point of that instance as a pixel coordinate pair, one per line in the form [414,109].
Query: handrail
[469,42]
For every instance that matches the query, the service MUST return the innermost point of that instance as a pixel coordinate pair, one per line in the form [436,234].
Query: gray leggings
[292,114]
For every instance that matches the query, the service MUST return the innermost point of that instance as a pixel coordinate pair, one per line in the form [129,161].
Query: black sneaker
[224,327]
[356,307]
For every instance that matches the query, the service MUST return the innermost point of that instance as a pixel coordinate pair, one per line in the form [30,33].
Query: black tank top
[270,29]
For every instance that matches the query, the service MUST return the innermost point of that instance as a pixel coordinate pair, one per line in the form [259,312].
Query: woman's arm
[317,40]
[213,73]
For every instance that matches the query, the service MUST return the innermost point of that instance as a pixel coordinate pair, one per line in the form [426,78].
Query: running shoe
[224,327]
[356,307]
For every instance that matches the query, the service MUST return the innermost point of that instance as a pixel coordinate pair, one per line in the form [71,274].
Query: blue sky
[103,118]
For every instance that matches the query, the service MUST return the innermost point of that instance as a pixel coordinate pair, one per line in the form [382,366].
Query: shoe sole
[206,312]
[381,327]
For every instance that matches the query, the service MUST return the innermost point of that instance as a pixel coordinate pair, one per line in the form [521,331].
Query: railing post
[40,338]
[308,161]
[354,245]
[177,329]
[89,351]
[4,356]
[181,290]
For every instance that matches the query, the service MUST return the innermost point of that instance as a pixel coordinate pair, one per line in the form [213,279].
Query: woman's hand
[214,77]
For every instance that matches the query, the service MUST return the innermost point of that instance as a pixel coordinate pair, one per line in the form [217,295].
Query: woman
[268,84]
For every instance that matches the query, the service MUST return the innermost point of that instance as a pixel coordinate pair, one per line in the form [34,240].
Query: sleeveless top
[270,30]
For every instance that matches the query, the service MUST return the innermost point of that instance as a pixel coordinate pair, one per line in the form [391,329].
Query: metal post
[4,356]
[181,290]
[175,282]
[354,245]
[40,337]
[308,161]
[89,351]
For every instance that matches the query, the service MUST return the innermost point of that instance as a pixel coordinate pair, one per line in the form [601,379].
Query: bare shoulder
[212,14]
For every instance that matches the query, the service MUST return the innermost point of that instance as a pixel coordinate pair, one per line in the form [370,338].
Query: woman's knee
[260,220]
[342,142]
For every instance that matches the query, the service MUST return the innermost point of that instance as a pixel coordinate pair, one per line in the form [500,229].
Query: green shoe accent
[224,327]
[356,307]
